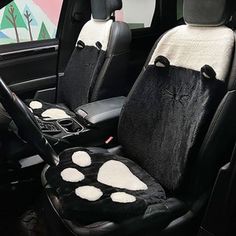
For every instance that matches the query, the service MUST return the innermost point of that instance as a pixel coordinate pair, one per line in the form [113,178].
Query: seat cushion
[49,111]
[93,186]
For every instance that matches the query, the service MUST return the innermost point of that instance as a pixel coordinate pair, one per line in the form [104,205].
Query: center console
[94,124]
[60,128]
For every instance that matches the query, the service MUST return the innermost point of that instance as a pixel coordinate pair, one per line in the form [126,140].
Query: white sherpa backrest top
[193,47]
[96,31]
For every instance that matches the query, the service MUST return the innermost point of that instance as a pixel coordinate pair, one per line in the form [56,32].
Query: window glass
[179,9]
[29,20]
[137,13]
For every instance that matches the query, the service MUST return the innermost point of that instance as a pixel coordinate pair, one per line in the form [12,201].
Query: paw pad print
[48,114]
[112,173]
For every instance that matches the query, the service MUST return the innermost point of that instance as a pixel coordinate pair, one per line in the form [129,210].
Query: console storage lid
[101,111]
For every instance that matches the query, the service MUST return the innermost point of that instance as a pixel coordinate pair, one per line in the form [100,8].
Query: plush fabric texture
[94,31]
[75,88]
[165,118]
[35,105]
[72,175]
[83,67]
[54,114]
[81,159]
[76,208]
[117,174]
[89,193]
[193,47]
[122,197]
[46,106]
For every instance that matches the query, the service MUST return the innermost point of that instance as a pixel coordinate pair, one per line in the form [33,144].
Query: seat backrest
[165,122]
[97,67]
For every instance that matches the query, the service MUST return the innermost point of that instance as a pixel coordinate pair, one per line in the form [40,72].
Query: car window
[29,20]
[137,13]
[179,9]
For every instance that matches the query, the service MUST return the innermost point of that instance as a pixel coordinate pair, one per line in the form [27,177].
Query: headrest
[206,12]
[102,9]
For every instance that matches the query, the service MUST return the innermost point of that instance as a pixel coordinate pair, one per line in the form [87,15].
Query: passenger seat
[97,66]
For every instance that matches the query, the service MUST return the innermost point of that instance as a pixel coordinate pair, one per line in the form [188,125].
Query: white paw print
[112,173]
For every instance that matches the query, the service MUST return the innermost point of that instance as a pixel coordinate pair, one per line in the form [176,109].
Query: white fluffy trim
[81,159]
[95,31]
[35,105]
[193,47]
[122,197]
[55,114]
[116,174]
[72,175]
[89,193]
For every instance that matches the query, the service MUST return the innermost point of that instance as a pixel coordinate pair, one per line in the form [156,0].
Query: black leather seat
[176,130]
[97,67]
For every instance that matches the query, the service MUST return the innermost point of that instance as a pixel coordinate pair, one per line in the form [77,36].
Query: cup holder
[70,125]
[66,123]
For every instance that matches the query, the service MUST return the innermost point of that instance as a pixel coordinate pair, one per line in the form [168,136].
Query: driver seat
[177,128]
[97,67]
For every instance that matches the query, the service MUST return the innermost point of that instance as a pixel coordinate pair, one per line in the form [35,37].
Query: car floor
[21,205]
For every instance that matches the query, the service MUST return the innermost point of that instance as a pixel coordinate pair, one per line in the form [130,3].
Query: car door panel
[29,69]
[28,65]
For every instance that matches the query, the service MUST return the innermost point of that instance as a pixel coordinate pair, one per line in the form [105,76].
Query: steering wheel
[27,125]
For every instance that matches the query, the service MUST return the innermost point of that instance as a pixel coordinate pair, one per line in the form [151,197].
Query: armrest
[101,111]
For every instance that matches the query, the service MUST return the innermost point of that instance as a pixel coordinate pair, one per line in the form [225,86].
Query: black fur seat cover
[161,135]
[78,209]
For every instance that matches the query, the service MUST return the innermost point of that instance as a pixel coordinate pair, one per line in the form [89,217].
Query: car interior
[109,126]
